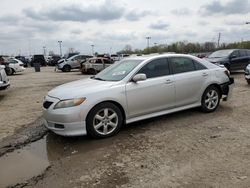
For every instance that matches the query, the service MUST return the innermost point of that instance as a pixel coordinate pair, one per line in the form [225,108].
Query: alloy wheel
[212,99]
[105,121]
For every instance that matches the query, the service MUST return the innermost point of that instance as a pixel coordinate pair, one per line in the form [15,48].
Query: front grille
[47,104]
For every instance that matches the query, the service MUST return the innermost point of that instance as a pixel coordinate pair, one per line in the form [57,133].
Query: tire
[228,67]
[66,68]
[10,72]
[210,99]
[92,71]
[104,120]
[248,81]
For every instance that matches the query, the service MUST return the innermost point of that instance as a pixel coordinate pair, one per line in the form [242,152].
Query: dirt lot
[20,105]
[186,149]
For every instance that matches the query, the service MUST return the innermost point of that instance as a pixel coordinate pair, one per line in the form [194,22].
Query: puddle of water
[23,164]
[31,160]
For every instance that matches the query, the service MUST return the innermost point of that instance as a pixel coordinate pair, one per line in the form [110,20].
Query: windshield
[221,53]
[118,71]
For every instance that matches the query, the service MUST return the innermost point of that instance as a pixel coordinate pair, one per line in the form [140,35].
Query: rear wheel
[210,99]
[104,120]
[10,71]
[66,68]
[92,71]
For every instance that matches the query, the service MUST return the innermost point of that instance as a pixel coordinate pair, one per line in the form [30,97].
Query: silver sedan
[135,89]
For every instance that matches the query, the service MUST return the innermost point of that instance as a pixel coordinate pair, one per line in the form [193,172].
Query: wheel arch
[113,102]
[217,86]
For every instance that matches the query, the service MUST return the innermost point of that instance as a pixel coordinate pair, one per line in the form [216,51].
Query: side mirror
[139,77]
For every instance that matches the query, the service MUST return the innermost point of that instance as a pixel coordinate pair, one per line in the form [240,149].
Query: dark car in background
[54,60]
[24,60]
[38,59]
[232,59]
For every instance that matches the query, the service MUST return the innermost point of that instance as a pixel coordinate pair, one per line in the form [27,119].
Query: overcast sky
[28,25]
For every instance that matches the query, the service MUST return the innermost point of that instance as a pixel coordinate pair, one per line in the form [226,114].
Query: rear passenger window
[182,64]
[242,53]
[156,68]
[199,66]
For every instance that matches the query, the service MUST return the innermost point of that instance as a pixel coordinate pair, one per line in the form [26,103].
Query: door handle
[205,74]
[168,81]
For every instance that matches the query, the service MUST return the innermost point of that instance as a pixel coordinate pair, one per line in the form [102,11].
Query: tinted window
[156,68]
[182,64]
[199,66]
[98,61]
[242,53]
[248,52]
[107,61]
[235,54]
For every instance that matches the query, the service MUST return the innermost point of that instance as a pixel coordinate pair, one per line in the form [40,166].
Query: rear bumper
[227,89]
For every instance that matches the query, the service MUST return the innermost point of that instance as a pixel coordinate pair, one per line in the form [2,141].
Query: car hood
[79,88]
[215,60]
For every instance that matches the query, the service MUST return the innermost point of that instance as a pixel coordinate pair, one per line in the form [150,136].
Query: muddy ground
[20,105]
[185,149]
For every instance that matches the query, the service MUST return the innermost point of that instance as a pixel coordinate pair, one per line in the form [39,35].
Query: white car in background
[71,63]
[135,89]
[4,81]
[16,66]
[247,74]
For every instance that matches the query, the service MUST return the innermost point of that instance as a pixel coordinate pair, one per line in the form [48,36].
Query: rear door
[235,60]
[190,77]
[154,94]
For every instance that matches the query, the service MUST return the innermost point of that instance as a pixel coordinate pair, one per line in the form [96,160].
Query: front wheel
[104,120]
[210,99]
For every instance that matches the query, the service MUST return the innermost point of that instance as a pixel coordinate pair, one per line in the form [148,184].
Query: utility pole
[60,46]
[148,38]
[92,47]
[219,37]
[44,50]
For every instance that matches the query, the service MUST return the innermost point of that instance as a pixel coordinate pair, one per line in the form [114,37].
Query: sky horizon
[109,25]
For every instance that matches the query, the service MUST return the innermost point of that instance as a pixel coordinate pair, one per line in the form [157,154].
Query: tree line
[185,47]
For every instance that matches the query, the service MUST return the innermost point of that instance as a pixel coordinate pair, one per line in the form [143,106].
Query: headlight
[69,103]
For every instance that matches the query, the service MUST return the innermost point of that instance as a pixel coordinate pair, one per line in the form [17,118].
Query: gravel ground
[186,149]
[20,105]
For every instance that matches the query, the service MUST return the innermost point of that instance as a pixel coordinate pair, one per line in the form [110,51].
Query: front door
[154,94]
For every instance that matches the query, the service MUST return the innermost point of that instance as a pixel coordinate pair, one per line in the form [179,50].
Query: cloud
[160,25]
[9,19]
[135,15]
[106,11]
[232,7]
[181,12]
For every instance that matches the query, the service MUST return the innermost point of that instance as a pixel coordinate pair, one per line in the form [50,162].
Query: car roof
[148,57]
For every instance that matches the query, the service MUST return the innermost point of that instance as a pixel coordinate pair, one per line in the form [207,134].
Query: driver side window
[156,68]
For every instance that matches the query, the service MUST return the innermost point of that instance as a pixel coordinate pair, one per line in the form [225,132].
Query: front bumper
[4,85]
[227,89]
[247,75]
[65,121]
